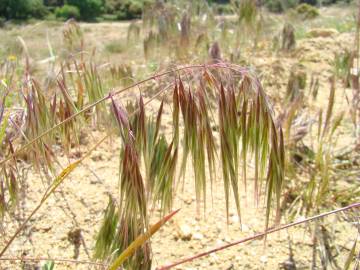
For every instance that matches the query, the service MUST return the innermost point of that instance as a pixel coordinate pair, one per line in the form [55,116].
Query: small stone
[219,242]
[219,228]
[188,200]
[198,236]
[213,259]
[289,265]
[263,259]
[227,239]
[245,228]
[97,156]
[184,233]
[234,219]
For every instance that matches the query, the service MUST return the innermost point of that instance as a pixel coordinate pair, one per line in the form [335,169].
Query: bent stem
[56,260]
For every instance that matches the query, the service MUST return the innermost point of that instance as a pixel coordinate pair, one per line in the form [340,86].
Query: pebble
[198,236]
[184,233]
[214,259]
[263,259]
[97,156]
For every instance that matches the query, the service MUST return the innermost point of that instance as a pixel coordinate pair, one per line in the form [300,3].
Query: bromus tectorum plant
[245,125]
[246,130]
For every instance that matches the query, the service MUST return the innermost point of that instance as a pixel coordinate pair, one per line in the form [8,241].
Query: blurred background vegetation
[98,10]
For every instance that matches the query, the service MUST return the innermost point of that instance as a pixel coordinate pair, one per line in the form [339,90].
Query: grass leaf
[139,241]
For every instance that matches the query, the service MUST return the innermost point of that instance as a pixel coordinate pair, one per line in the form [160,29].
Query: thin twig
[34,259]
[259,235]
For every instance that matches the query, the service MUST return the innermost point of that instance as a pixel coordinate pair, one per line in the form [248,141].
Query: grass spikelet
[246,10]
[206,131]
[228,125]
[94,89]
[38,120]
[3,204]
[150,44]
[122,73]
[11,185]
[73,37]
[153,150]
[4,119]
[198,136]
[330,106]
[185,25]
[133,33]
[163,166]
[175,114]
[133,202]
[107,231]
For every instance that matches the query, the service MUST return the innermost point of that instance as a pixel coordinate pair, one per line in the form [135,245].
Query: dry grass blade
[351,256]
[139,241]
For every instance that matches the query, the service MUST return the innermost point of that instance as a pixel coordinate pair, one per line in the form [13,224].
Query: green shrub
[108,17]
[37,9]
[2,22]
[67,12]
[274,6]
[310,2]
[89,9]
[129,10]
[307,11]
[279,6]
[330,2]
[54,3]
[323,2]
[125,9]
[22,9]
[222,8]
